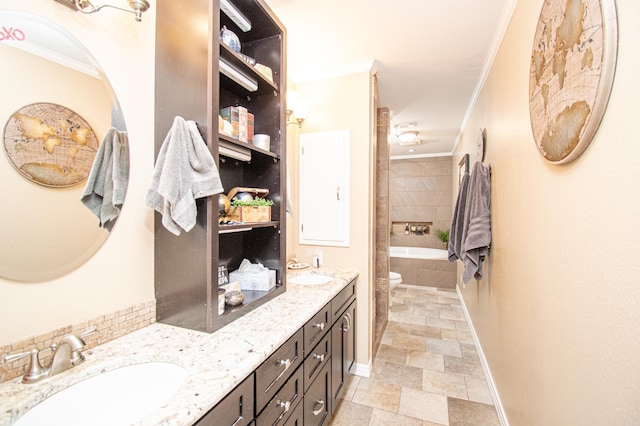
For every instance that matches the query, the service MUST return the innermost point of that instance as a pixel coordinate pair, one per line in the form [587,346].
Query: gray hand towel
[457,224]
[106,185]
[185,171]
[477,223]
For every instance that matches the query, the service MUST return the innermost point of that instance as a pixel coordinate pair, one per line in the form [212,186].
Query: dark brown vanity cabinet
[343,351]
[235,409]
[198,75]
[277,369]
[317,399]
[302,381]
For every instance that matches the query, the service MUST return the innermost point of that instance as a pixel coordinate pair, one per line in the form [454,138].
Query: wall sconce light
[297,109]
[85,6]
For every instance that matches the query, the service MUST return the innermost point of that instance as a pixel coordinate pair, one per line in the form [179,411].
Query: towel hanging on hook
[184,171]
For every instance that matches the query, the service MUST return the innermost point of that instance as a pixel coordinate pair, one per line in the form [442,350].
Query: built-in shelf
[252,299]
[248,146]
[244,227]
[241,66]
[191,83]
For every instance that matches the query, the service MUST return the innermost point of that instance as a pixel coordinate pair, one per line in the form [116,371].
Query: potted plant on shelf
[443,235]
[251,210]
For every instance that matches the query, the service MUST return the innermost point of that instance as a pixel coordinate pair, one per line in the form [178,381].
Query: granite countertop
[215,363]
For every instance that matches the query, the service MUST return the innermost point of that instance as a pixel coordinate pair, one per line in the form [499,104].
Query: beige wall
[121,273]
[558,314]
[335,104]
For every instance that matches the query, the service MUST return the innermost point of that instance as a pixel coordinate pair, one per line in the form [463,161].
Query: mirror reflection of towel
[107,183]
[184,171]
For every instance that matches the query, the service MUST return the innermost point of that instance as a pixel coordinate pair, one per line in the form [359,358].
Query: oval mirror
[46,230]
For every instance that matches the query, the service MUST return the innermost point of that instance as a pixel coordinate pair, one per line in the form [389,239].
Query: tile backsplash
[107,328]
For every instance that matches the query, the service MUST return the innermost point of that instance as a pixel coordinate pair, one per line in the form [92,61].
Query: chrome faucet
[66,354]
[292,261]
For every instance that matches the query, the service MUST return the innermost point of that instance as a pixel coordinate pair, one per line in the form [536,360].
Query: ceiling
[429,56]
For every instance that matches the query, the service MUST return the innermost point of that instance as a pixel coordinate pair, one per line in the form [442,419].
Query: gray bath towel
[457,224]
[477,223]
[107,183]
[185,171]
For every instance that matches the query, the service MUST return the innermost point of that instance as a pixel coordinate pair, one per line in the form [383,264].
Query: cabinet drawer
[282,405]
[317,400]
[316,328]
[343,300]
[297,416]
[272,374]
[316,359]
[235,409]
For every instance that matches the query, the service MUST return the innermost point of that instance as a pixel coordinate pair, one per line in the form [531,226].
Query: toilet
[395,279]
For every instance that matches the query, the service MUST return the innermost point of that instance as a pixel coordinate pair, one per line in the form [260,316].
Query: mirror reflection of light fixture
[85,6]
[297,109]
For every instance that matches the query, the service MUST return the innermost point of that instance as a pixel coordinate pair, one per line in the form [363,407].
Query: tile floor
[426,372]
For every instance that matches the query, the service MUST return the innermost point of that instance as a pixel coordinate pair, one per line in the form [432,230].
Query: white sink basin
[311,279]
[118,397]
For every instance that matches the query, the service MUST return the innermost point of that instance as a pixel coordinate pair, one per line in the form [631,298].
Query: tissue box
[260,281]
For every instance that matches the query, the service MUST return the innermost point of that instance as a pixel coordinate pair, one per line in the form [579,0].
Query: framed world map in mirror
[49,144]
[572,67]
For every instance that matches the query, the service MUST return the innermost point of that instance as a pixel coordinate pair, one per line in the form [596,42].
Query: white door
[324,188]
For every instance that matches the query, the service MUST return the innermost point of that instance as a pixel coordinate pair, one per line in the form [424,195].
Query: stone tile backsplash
[107,328]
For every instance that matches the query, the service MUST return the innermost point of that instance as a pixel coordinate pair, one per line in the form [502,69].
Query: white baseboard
[363,370]
[485,367]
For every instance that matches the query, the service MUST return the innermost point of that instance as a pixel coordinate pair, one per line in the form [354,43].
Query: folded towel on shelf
[184,171]
[477,223]
[457,223]
[106,185]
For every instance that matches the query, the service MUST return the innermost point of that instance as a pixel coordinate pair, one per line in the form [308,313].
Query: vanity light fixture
[85,6]
[236,16]
[297,109]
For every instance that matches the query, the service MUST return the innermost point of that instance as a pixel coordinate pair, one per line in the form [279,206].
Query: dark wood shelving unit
[190,84]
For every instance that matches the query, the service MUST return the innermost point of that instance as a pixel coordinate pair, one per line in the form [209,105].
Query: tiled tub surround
[107,327]
[215,363]
[426,272]
[420,192]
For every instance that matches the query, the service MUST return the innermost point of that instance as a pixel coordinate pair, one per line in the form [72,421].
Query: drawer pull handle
[238,421]
[319,325]
[347,317]
[320,409]
[283,362]
[319,357]
[286,405]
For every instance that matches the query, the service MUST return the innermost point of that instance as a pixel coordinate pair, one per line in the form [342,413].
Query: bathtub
[418,253]
[422,266]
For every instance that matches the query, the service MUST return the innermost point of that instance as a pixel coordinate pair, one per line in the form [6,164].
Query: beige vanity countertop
[215,363]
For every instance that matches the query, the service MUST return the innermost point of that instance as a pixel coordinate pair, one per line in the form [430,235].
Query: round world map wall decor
[572,67]
[49,144]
